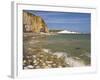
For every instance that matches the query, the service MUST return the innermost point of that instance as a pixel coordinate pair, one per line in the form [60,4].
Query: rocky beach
[36,57]
[44,48]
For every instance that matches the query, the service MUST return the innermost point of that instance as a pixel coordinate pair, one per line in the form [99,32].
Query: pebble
[36,64]
[30,67]
[46,50]
[60,66]
[25,67]
[37,59]
[49,65]
[29,60]
[34,61]
[46,67]
[24,61]
[27,56]
[49,62]
[43,60]
[43,64]
[54,64]
[34,56]
[30,49]
[41,55]
[37,67]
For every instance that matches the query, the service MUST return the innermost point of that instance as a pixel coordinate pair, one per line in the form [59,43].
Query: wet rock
[29,67]
[43,60]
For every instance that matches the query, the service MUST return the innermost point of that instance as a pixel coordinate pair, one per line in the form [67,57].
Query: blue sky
[80,22]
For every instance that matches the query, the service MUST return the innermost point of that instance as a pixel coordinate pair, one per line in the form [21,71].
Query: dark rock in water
[77,48]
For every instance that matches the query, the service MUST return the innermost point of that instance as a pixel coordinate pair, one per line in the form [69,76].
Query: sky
[79,22]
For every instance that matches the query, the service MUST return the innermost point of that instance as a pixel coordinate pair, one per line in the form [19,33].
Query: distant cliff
[33,23]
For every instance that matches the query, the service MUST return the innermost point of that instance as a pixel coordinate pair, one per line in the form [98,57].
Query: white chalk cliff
[67,32]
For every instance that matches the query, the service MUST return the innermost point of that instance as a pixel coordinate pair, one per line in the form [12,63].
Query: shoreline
[54,33]
[34,47]
[69,60]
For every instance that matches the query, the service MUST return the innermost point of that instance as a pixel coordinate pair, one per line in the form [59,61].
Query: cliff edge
[33,23]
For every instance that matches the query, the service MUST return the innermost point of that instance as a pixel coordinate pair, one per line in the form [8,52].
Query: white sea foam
[73,62]
[69,60]
[46,50]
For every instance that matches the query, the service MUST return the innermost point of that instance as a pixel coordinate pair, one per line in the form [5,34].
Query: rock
[29,62]
[46,50]
[41,55]
[25,67]
[43,60]
[37,59]
[60,54]
[43,64]
[27,57]
[49,62]
[54,64]
[36,64]
[30,67]
[34,56]
[47,67]
[33,23]
[34,61]
[37,67]
[24,61]
[60,66]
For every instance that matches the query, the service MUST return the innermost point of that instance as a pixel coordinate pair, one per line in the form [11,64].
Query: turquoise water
[75,45]
[70,37]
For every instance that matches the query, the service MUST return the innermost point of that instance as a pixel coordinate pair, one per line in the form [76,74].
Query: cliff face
[33,23]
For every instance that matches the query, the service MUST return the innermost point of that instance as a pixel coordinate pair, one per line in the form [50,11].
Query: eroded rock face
[33,23]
